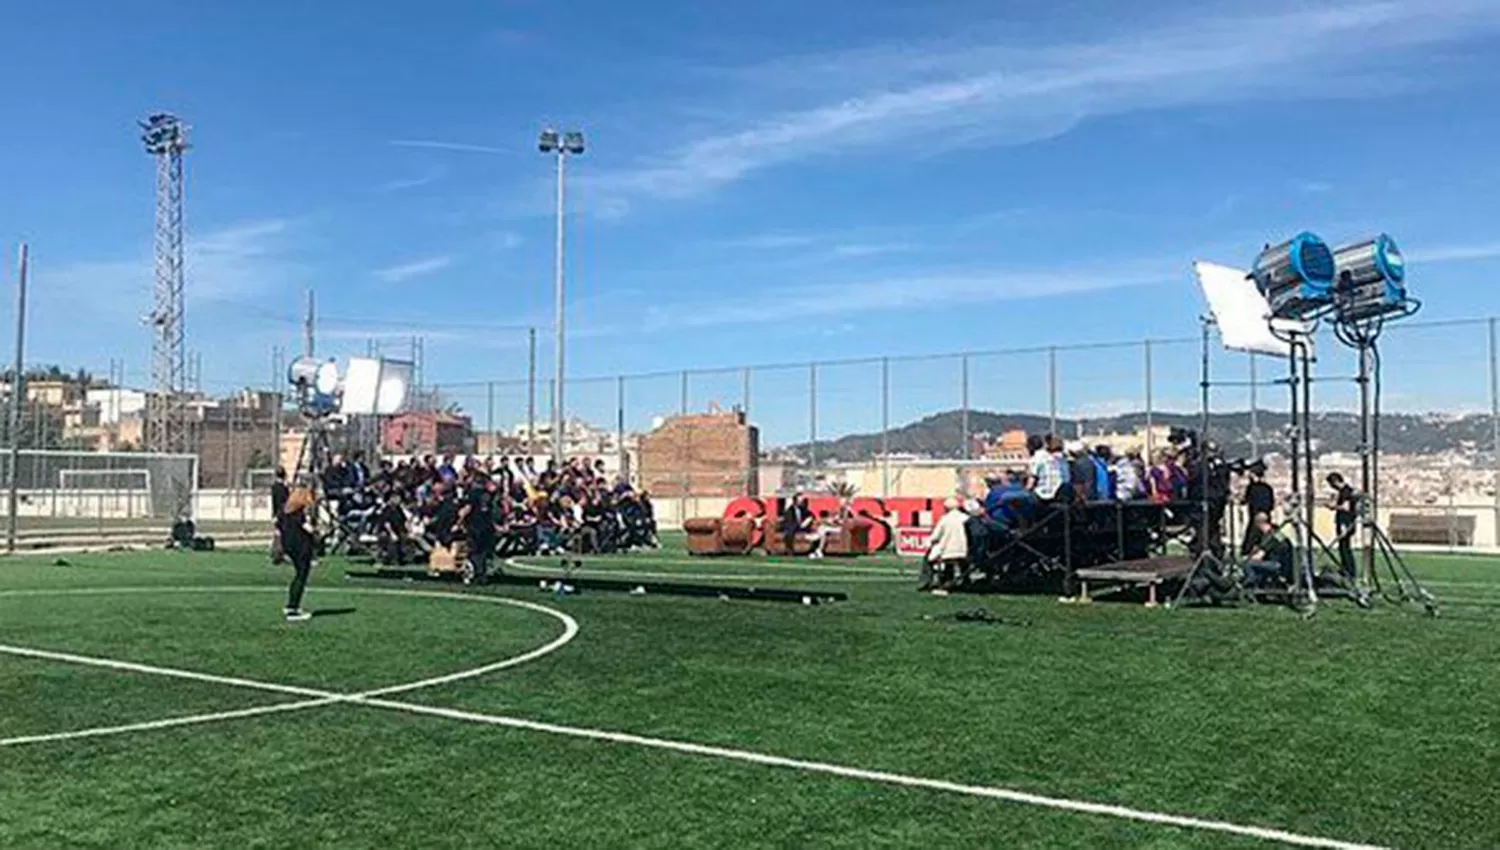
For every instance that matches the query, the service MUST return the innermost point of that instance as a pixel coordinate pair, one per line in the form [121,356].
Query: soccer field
[157,700]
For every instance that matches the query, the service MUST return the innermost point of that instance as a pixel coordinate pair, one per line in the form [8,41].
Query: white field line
[149,725]
[686,747]
[882,777]
[317,697]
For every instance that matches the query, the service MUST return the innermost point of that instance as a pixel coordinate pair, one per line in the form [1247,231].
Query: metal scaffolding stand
[1378,552]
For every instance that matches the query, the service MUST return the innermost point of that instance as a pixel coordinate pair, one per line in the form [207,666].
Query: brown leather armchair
[715,536]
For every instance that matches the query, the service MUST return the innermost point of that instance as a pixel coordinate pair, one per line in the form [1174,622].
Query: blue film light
[1296,277]
[1371,280]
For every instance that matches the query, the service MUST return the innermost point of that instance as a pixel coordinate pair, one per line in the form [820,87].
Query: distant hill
[941,435]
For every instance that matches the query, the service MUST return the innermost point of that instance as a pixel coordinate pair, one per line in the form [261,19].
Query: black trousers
[1347,568]
[481,548]
[302,558]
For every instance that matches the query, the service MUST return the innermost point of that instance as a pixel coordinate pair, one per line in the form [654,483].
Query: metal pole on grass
[1052,389]
[885,427]
[1495,424]
[531,393]
[968,452]
[17,391]
[812,413]
[1254,409]
[1150,412]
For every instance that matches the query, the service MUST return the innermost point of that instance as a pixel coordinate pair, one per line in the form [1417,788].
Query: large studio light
[317,384]
[1370,280]
[1296,277]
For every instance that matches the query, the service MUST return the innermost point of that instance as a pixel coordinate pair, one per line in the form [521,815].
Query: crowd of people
[497,506]
[1056,473]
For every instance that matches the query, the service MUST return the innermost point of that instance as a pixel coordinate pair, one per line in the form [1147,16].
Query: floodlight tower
[165,137]
[561,145]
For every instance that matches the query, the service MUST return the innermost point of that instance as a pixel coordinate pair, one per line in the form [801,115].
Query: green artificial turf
[1377,727]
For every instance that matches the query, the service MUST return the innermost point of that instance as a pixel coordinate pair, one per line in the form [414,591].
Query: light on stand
[1296,277]
[317,385]
[1370,281]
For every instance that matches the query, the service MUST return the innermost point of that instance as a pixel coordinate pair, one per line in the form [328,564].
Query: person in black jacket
[1259,499]
[299,544]
[279,494]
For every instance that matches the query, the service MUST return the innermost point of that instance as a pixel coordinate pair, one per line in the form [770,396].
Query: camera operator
[1345,516]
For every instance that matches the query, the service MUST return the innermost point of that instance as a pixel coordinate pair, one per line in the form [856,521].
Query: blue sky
[765,183]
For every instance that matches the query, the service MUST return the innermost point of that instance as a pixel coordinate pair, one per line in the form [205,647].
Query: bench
[1145,572]
[1432,529]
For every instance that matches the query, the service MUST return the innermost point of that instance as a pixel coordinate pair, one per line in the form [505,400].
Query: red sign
[913,542]
[904,512]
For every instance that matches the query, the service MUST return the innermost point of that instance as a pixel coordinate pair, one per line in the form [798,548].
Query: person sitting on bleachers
[1104,479]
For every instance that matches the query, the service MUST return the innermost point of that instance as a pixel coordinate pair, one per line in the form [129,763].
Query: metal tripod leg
[1407,586]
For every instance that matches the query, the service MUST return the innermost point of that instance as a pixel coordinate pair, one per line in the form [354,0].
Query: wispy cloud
[401,184]
[997,93]
[870,249]
[1456,253]
[934,291]
[241,260]
[441,145]
[415,268]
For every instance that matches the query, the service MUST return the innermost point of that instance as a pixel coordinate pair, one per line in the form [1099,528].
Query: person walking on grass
[300,546]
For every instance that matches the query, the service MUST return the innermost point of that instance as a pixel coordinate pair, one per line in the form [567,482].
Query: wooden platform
[1147,573]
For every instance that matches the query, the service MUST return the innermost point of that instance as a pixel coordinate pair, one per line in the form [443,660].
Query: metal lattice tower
[165,137]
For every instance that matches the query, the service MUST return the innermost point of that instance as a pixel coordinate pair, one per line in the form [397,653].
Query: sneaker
[296,615]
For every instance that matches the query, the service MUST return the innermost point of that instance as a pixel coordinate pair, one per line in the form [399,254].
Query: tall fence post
[489,413]
[531,393]
[624,458]
[967,452]
[885,427]
[684,453]
[1254,407]
[1150,410]
[17,392]
[812,414]
[1495,427]
[745,392]
[1052,390]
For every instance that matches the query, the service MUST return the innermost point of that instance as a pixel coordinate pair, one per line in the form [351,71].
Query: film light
[317,384]
[1296,277]
[1370,281]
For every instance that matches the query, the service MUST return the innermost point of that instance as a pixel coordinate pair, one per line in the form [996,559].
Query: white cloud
[403,183]
[1456,253]
[242,260]
[440,145]
[937,96]
[415,268]
[870,249]
[911,292]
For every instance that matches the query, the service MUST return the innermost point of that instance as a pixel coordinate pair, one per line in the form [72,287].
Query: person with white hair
[948,549]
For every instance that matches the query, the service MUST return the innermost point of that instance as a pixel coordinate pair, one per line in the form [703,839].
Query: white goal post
[134,480]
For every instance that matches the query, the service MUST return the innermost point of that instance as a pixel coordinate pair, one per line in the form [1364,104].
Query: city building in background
[714,454]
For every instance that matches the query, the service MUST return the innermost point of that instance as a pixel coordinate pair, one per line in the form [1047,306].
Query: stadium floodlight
[164,133]
[561,145]
[1370,281]
[1296,277]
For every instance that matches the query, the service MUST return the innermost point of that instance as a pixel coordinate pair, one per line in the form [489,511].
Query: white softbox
[375,386]
[1242,313]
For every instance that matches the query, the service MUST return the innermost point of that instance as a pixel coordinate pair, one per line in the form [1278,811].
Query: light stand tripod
[1301,508]
[1377,550]
[313,459]
[1208,564]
